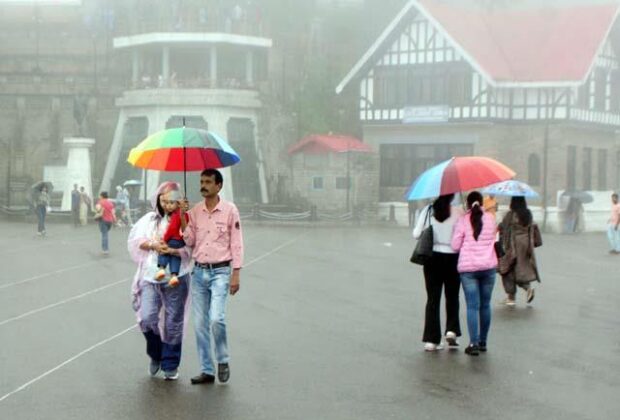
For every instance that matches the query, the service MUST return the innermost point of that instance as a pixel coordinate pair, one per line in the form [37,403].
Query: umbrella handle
[184,173]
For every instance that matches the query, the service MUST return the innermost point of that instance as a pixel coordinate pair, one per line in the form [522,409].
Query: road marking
[52,273]
[273,251]
[66,362]
[115,336]
[62,302]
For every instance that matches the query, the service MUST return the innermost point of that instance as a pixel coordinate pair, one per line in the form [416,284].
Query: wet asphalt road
[327,325]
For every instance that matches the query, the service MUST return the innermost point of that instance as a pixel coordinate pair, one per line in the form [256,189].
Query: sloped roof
[327,143]
[532,46]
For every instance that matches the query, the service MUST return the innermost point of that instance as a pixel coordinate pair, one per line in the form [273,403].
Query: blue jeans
[613,236]
[104,228]
[209,291]
[41,212]
[478,288]
[173,299]
[173,261]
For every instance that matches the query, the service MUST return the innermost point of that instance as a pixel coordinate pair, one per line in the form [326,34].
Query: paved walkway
[327,325]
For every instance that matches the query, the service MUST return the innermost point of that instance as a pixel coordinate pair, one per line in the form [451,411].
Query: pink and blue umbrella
[458,174]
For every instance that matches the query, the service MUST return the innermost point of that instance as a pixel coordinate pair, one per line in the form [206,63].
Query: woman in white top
[441,271]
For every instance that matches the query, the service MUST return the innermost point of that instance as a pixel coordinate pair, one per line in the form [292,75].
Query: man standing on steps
[214,233]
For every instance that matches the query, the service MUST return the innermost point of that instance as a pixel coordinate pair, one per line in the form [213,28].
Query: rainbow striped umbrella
[458,174]
[183,149]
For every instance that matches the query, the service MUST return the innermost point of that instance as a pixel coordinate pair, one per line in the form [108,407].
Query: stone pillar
[78,168]
[165,64]
[249,68]
[135,68]
[213,69]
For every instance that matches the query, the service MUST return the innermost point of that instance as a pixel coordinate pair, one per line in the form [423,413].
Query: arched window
[533,170]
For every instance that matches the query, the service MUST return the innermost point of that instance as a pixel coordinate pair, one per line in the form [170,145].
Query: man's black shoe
[482,346]
[203,378]
[223,372]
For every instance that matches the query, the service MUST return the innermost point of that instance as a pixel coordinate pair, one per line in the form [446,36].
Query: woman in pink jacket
[474,239]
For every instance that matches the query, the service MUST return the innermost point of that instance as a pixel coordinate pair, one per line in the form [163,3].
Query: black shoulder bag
[423,250]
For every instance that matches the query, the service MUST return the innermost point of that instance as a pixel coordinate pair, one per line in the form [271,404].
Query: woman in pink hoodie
[474,239]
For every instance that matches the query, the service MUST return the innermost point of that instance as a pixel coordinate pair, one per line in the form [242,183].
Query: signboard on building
[425,114]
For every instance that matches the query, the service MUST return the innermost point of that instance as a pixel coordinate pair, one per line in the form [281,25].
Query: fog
[342,130]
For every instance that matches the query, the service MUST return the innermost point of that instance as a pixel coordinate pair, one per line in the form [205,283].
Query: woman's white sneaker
[432,347]
[451,340]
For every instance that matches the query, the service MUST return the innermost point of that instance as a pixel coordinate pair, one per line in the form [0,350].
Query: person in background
[517,235]
[121,204]
[75,205]
[474,239]
[106,218]
[613,234]
[572,213]
[490,205]
[85,206]
[440,272]
[43,202]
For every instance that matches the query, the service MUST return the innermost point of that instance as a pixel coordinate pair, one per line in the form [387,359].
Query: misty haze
[321,209]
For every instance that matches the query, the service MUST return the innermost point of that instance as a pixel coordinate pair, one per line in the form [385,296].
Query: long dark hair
[441,207]
[518,205]
[474,203]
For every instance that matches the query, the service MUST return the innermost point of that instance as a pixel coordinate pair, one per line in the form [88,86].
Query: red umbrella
[458,174]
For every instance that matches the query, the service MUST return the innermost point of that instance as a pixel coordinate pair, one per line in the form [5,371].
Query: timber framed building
[537,89]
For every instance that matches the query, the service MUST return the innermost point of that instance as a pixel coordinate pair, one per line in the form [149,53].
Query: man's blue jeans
[478,288]
[209,292]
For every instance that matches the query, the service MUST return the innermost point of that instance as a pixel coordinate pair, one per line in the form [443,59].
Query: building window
[587,168]
[533,170]
[602,169]
[401,163]
[342,182]
[571,161]
[422,85]
[317,182]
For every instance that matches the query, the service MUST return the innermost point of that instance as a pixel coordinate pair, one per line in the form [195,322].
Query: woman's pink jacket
[475,255]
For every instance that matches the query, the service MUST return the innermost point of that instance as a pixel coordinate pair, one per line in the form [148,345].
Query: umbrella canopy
[183,149]
[458,174]
[38,186]
[582,196]
[511,188]
[132,183]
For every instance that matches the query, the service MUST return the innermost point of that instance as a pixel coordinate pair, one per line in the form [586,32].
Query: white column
[165,64]
[78,168]
[213,69]
[114,154]
[135,64]
[249,68]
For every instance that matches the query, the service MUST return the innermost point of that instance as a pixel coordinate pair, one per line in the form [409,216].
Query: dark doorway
[134,131]
[245,179]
